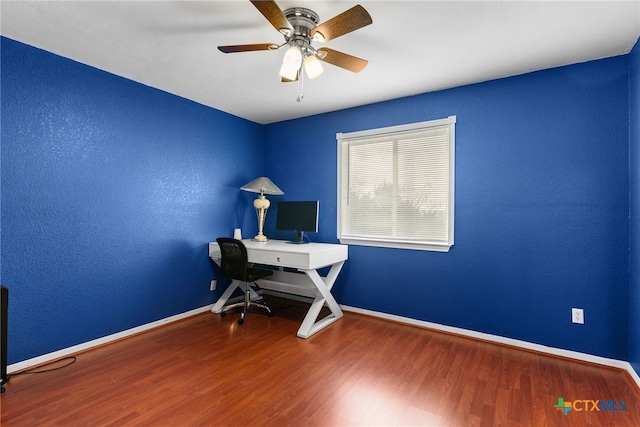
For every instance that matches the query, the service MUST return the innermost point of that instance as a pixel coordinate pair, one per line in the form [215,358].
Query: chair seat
[254,274]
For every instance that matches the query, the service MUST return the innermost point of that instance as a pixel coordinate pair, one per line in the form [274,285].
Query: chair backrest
[234,258]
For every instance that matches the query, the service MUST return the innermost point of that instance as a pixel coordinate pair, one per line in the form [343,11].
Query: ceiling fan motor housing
[303,21]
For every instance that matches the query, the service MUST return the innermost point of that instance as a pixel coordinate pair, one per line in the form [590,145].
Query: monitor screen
[297,216]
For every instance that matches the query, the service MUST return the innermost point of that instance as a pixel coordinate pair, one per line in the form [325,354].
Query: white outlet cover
[577,315]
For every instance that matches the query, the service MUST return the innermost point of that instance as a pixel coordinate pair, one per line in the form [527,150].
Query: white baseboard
[633,374]
[50,357]
[620,364]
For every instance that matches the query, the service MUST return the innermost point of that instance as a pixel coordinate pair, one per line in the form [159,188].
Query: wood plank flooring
[360,371]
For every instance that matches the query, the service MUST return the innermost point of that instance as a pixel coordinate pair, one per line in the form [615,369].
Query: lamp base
[260,238]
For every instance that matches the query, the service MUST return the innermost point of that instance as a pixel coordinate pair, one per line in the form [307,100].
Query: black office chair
[235,266]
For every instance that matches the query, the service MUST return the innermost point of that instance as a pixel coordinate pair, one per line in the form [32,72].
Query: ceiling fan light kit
[303,21]
[300,28]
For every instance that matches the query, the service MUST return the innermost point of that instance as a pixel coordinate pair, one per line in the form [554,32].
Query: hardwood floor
[210,371]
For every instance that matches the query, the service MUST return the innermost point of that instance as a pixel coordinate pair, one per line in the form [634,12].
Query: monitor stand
[299,239]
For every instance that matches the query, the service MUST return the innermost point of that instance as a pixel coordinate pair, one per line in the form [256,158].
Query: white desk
[306,258]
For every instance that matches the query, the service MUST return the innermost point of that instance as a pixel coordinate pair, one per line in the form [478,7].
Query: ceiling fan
[300,28]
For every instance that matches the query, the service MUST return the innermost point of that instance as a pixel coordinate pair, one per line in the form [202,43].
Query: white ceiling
[412,46]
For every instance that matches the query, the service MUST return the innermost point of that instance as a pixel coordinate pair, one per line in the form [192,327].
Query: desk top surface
[286,246]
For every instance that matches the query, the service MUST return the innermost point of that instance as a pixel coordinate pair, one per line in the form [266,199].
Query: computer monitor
[298,216]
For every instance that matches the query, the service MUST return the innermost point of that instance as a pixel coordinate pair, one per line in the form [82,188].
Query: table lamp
[262,185]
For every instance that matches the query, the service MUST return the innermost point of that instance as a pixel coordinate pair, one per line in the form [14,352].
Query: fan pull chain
[300,85]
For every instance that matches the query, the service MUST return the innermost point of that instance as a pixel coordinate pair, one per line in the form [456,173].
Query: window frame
[346,138]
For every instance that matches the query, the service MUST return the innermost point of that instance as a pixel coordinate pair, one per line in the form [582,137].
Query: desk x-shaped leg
[310,324]
[310,284]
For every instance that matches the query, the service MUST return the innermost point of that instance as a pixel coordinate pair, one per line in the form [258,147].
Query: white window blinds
[396,186]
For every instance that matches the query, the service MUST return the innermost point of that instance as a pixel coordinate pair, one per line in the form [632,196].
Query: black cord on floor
[70,361]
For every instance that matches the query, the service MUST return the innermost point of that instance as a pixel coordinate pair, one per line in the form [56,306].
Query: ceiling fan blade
[247,47]
[274,15]
[343,60]
[348,21]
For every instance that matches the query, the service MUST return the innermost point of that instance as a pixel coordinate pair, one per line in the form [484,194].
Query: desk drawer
[285,259]
[279,259]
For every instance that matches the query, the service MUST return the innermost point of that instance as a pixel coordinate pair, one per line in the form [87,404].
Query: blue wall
[110,192]
[542,205]
[634,271]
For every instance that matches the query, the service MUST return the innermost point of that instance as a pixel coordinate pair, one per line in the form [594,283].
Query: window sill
[420,246]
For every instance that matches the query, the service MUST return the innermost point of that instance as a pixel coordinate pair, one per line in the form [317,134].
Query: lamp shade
[262,185]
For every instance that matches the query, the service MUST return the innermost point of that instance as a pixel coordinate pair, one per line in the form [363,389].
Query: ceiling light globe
[312,66]
[288,71]
[293,56]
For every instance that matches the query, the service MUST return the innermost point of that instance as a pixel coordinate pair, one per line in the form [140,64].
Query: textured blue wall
[542,205]
[634,270]
[111,189]
[110,192]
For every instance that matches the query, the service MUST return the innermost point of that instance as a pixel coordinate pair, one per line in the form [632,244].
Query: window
[396,186]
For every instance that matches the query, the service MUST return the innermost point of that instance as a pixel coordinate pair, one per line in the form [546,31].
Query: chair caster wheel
[223,314]
[240,321]
[269,314]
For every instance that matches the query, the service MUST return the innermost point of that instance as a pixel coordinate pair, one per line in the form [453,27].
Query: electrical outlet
[577,315]
[212,287]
